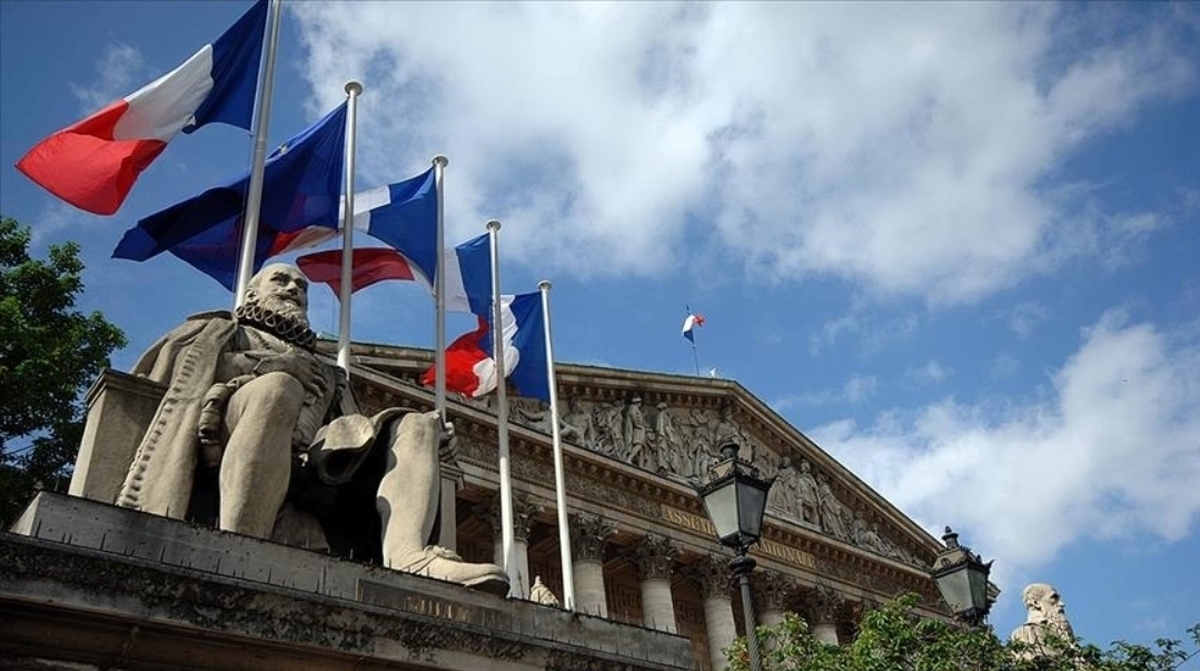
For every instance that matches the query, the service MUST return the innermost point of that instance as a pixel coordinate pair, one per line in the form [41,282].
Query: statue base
[90,585]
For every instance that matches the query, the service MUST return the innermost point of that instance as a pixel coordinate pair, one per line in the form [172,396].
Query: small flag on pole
[94,163]
[689,325]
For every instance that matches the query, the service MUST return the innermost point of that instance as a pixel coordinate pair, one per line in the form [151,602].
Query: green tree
[49,352]
[894,638]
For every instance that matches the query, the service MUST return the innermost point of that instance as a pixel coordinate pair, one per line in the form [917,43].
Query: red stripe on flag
[83,165]
[461,357]
[369,265]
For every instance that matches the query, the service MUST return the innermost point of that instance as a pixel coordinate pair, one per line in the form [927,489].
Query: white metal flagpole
[262,111]
[506,511]
[439,290]
[560,481]
[353,89]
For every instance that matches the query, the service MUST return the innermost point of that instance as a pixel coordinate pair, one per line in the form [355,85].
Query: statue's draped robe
[161,475]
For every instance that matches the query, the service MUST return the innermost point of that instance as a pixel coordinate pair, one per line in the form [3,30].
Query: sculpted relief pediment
[680,442]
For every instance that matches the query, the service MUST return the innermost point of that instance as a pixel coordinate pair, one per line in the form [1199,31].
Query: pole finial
[354,87]
[440,159]
[493,224]
[544,285]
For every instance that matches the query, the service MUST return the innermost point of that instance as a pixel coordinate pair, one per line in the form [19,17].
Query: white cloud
[121,69]
[1112,452]
[855,390]
[931,373]
[1026,317]
[909,147]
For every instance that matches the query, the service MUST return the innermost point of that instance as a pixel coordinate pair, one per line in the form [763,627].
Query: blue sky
[956,244]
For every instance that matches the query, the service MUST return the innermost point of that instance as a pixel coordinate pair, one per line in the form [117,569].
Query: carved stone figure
[782,493]
[253,418]
[1046,620]
[670,448]
[635,435]
[833,512]
[610,438]
[577,425]
[806,493]
[539,593]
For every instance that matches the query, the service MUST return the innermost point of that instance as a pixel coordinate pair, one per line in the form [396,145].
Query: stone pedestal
[120,407]
[588,534]
[88,586]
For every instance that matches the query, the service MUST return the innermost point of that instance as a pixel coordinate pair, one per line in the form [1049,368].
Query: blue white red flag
[470,367]
[94,163]
[302,183]
[689,325]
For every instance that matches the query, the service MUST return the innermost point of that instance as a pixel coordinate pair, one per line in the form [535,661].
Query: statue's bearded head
[281,288]
[1045,605]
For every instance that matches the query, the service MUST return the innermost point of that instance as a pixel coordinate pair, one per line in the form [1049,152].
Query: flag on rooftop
[302,186]
[94,163]
[689,325]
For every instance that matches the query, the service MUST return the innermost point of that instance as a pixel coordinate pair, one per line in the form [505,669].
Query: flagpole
[262,111]
[353,90]
[506,512]
[439,290]
[695,358]
[560,480]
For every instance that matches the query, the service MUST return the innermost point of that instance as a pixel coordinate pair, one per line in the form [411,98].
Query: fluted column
[524,511]
[772,591]
[823,605]
[588,534]
[655,556]
[713,576]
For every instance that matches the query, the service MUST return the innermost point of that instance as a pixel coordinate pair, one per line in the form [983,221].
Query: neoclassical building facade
[643,549]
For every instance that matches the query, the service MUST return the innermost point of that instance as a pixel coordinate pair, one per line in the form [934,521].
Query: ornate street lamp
[962,578]
[736,498]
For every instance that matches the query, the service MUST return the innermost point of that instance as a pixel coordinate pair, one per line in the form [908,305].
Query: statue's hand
[307,370]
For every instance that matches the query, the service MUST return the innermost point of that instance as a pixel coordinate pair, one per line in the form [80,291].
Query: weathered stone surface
[88,582]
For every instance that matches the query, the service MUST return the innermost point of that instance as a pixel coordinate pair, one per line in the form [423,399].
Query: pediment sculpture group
[682,443]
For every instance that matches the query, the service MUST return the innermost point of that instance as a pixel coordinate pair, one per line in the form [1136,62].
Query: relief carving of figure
[833,511]
[670,447]
[782,493]
[610,434]
[1046,619]
[635,436]
[577,425]
[255,427]
[806,493]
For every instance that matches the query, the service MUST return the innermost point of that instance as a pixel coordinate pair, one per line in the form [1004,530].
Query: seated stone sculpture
[1046,632]
[259,436]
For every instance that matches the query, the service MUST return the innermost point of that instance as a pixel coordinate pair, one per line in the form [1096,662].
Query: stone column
[524,511]
[823,605]
[588,534]
[713,576]
[654,556]
[772,591]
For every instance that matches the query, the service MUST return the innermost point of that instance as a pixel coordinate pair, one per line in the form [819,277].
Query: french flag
[94,163]
[369,265]
[470,367]
[689,325]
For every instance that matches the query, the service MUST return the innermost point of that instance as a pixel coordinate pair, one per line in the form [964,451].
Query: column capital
[654,556]
[525,509]
[772,590]
[822,604]
[588,534]
[713,576]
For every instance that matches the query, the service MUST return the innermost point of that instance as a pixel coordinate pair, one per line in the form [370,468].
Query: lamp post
[735,498]
[962,578]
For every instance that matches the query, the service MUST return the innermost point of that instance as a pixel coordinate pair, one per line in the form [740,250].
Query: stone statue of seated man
[259,436]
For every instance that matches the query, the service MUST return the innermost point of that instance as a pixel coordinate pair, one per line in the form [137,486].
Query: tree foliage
[49,352]
[894,638]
